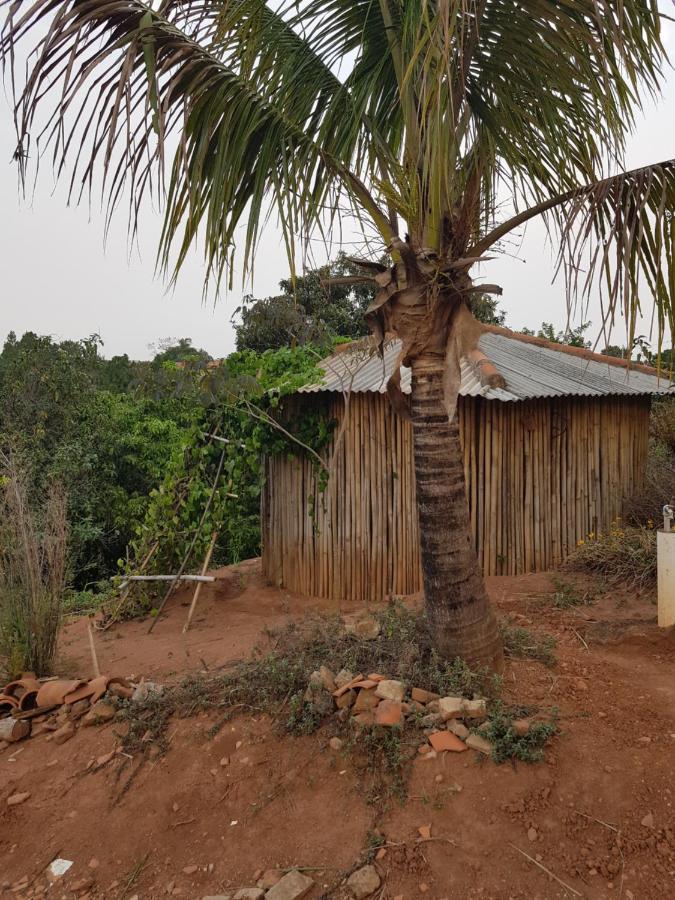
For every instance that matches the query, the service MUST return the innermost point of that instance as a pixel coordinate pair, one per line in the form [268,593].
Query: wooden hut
[548,460]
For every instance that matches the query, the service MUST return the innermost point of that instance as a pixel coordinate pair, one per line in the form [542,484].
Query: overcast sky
[58,278]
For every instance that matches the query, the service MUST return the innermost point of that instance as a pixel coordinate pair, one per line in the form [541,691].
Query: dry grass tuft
[625,555]
[33,553]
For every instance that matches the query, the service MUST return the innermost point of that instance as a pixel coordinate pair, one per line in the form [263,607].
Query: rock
[366,628]
[381,853]
[121,691]
[255,893]
[424,832]
[344,701]
[210,897]
[390,690]
[3,745]
[102,711]
[474,709]
[364,719]
[143,690]
[269,878]
[476,742]
[364,882]
[423,749]
[422,696]
[93,863]
[327,679]
[335,743]
[366,699]
[430,755]
[446,740]
[18,799]
[105,759]
[580,685]
[434,706]
[64,733]
[432,720]
[82,885]
[451,708]
[190,870]
[388,713]
[520,727]
[291,887]
[314,688]
[79,708]
[13,730]
[458,728]
[647,822]
[375,676]
[343,677]
[532,835]
[224,761]
[439,778]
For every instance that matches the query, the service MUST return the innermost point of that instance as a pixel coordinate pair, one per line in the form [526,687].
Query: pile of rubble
[449,723]
[32,706]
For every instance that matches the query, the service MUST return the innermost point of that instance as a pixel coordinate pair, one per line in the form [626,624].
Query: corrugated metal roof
[530,371]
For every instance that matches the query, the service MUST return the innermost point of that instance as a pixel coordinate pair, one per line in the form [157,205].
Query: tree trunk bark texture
[461,619]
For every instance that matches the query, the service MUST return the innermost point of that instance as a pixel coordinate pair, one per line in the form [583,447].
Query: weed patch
[508,745]
[567,596]
[625,555]
[520,643]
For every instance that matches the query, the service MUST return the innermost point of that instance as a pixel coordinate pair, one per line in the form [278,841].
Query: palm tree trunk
[460,616]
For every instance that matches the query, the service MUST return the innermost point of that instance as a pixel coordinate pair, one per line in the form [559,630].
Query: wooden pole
[195,596]
[92,647]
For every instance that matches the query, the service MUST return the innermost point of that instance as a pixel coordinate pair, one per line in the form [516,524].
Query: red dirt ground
[286,801]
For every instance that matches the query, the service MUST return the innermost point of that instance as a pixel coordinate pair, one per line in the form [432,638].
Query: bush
[625,555]
[32,574]
[659,482]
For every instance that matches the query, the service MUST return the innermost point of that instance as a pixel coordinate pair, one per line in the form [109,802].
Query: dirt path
[598,813]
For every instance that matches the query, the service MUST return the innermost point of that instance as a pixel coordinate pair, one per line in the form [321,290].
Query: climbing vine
[239,418]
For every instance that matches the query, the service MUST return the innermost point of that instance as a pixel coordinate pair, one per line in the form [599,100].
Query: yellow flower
[579,543]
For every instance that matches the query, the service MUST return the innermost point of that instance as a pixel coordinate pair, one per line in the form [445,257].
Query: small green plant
[567,596]
[508,745]
[520,643]
[374,840]
[387,760]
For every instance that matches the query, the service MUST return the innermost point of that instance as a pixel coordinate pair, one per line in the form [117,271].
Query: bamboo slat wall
[541,475]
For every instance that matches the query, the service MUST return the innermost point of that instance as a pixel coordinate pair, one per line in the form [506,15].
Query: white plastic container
[665,565]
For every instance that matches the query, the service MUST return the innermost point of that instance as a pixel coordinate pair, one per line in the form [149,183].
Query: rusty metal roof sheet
[531,370]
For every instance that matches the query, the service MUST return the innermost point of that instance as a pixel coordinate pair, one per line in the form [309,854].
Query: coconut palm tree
[439,125]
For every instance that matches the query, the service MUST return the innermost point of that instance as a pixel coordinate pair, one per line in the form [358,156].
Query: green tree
[417,119]
[178,351]
[314,309]
[573,337]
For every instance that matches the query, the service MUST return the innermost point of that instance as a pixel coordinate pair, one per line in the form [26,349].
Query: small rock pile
[57,707]
[449,723]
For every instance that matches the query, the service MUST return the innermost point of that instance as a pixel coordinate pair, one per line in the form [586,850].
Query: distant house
[548,460]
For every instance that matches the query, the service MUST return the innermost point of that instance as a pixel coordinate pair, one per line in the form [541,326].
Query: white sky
[56,276]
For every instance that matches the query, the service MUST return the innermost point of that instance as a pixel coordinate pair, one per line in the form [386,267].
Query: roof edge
[576,351]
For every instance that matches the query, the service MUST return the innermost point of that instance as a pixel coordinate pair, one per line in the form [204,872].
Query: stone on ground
[343,677]
[291,887]
[476,742]
[64,733]
[446,740]
[367,628]
[269,878]
[475,709]
[367,699]
[388,713]
[390,690]
[363,882]
[102,711]
[17,799]
[458,728]
[451,708]
[327,679]
[423,696]
[335,743]
[255,893]
[520,727]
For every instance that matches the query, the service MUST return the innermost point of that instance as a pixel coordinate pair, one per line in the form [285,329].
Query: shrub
[624,555]
[32,574]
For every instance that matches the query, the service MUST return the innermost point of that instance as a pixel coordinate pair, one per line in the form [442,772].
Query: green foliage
[180,351]
[485,309]
[507,745]
[520,643]
[573,337]
[308,311]
[568,596]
